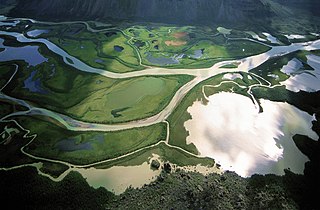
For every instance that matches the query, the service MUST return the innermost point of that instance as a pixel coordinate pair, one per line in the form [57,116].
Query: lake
[231,130]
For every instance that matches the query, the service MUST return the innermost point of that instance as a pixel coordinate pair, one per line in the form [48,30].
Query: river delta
[118,104]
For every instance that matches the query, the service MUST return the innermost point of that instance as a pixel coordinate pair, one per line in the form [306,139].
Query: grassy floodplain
[123,49]
[38,178]
[129,100]
[87,147]
[165,152]
[91,97]
[95,49]
[191,47]
[101,54]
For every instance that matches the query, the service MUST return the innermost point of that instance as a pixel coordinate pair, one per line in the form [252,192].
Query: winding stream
[245,65]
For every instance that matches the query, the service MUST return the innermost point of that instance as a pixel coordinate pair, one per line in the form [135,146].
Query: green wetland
[124,104]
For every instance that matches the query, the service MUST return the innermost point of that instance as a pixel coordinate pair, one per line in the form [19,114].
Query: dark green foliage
[306,101]
[25,189]
[10,153]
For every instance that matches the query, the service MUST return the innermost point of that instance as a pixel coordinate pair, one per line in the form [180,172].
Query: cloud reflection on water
[233,132]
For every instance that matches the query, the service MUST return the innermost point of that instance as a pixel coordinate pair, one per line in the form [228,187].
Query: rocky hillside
[6,6]
[309,6]
[171,11]
[168,11]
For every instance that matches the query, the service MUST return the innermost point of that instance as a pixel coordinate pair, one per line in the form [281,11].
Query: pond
[118,48]
[197,54]
[161,60]
[29,54]
[255,36]
[69,145]
[271,38]
[292,66]
[305,80]
[232,76]
[295,36]
[118,178]
[35,33]
[224,31]
[98,60]
[34,85]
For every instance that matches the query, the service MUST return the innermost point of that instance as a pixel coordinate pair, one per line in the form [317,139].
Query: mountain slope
[172,11]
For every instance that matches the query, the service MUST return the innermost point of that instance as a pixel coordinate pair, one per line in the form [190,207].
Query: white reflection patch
[230,130]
